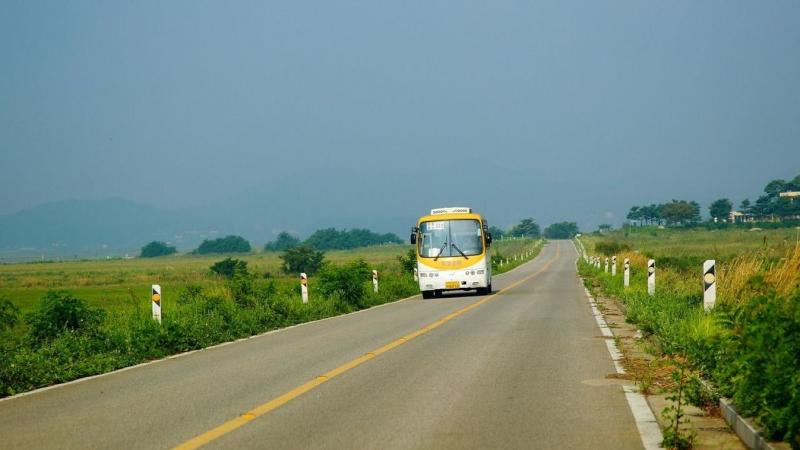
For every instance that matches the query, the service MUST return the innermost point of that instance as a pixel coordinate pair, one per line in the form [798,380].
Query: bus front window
[441,235]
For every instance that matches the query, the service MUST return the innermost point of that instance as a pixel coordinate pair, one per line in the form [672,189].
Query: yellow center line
[238,422]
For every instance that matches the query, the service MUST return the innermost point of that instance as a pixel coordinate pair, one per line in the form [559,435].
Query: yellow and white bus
[452,252]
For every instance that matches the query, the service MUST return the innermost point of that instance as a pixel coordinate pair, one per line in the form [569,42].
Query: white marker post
[709,284]
[416,274]
[651,276]
[605,269]
[614,266]
[156,297]
[375,280]
[627,273]
[304,286]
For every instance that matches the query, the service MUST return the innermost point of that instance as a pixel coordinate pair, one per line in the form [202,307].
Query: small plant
[674,437]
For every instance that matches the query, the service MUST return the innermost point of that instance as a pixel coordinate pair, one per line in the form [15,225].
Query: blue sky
[589,107]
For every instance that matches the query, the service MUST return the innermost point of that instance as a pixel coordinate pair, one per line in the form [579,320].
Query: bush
[229,267]
[302,259]
[408,262]
[157,248]
[228,244]
[333,239]
[561,230]
[9,315]
[284,241]
[766,371]
[346,282]
[610,248]
[60,312]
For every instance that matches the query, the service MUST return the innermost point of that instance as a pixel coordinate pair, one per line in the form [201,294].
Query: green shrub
[609,248]
[284,241]
[766,371]
[229,267]
[9,315]
[60,312]
[302,259]
[157,248]
[408,262]
[345,282]
[228,244]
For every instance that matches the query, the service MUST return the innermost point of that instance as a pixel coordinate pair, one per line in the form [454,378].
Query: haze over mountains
[115,226]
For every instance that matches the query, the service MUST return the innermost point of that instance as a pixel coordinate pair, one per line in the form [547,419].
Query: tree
[526,227]
[157,248]
[282,242]
[561,230]
[774,187]
[333,239]
[604,227]
[721,208]
[228,244]
[635,214]
[496,232]
[745,205]
[680,212]
[302,259]
[229,267]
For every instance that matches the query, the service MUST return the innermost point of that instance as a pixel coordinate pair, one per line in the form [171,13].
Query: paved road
[525,369]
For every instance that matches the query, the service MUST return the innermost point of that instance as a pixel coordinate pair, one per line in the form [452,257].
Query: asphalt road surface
[523,368]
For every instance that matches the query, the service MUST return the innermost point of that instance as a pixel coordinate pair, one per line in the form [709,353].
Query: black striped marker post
[709,284]
[605,269]
[156,298]
[614,266]
[304,287]
[651,277]
[375,280]
[627,272]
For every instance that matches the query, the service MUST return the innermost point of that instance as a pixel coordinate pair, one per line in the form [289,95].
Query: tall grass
[748,345]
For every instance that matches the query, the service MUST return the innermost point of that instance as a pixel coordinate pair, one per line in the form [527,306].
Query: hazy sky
[599,105]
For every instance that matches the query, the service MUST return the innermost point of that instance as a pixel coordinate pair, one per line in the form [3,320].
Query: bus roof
[453,216]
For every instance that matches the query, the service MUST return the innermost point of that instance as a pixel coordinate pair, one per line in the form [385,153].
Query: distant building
[739,217]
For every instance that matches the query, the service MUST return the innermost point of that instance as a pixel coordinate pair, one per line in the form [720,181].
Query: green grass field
[116,284]
[711,244]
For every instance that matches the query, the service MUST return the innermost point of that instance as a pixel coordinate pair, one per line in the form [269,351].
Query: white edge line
[223,344]
[646,422]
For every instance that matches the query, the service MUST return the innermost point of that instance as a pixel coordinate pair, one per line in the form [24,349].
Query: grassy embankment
[749,345]
[101,321]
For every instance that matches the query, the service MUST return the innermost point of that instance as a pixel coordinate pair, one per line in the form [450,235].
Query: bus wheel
[427,294]
[482,291]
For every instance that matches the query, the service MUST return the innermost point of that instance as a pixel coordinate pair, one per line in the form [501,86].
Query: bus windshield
[443,238]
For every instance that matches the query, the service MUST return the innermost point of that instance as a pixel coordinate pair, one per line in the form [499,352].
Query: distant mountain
[78,225]
[389,201]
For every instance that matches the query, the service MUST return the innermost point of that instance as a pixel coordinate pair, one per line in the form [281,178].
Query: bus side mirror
[413,238]
[488,239]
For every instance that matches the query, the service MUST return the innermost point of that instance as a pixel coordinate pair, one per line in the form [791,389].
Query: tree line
[529,228]
[325,239]
[769,206]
